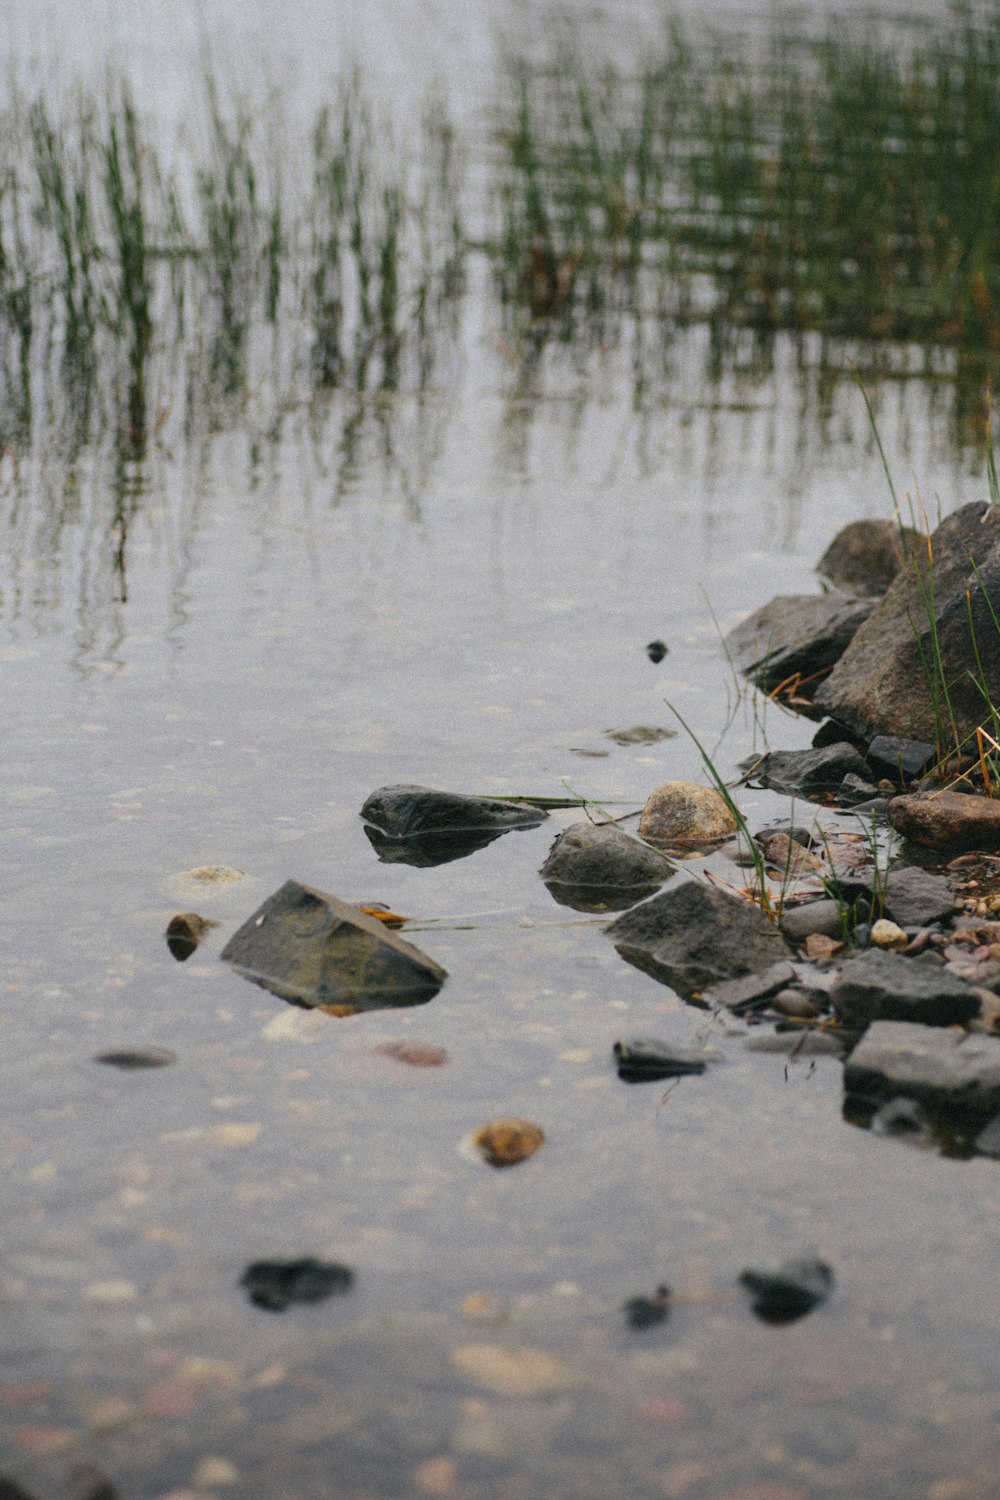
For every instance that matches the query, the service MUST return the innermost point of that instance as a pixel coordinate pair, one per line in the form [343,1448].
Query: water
[453,586]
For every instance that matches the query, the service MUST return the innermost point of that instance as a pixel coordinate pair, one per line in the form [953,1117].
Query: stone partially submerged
[313,950]
[685,816]
[599,867]
[695,936]
[889,987]
[417,825]
[795,636]
[865,556]
[954,1070]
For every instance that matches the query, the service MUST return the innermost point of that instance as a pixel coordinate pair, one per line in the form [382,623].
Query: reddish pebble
[417,1054]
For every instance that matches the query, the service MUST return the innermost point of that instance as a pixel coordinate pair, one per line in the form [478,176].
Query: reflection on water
[329,464]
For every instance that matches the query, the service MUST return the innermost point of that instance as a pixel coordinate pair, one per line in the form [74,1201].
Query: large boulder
[599,867]
[694,936]
[311,949]
[942,607]
[795,635]
[865,556]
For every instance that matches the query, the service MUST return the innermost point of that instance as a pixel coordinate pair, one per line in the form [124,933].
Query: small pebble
[886,934]
[657,650]
[503,1143]
[795,1003]
[646,1312]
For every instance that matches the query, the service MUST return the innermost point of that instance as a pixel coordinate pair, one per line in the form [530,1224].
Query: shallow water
[461,595]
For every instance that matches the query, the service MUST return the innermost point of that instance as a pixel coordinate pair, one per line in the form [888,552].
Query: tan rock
[518,1372]
[886,934]
[947,820]
[684,815]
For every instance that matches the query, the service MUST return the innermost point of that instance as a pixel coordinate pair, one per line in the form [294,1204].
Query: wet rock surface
[419,826]
[593,867]
[683,815]
[645,1059]
[185,932]
[694,936]
[276,1284]
[808,773]
[309,948]
[790,1291]
[878,687]
[947,820]
[795,635]
[898,759]
[751,990]
[134,1059]
[949,1068]
[889,987]
[865,556]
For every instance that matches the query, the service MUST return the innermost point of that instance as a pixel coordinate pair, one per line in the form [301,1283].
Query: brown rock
[865,556]
[417,1054]
[684,815]
[947,820]
[503,1143]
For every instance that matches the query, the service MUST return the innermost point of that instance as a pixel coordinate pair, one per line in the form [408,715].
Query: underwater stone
[405,811]
[790,1291]
[879,986]
[956,1070]
[598,865]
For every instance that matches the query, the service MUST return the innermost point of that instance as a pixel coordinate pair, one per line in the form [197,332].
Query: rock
[640,734]
[657,650]
[416,1054]
[854,791]
[645,1059]
[801,922]
[886,934]
[504,1143]
[947,820]
[684,815]
[987,1142]
[751,990]
[311,949]
[592,867]
[879,986]
[820,948]
[131,1059]
[276,1284]
[788,857]
[901,1117]
[878,687]
[865,556]
[795,635]
[694,936]
[795,1004]
[807,773]
[790,1291]
[916,898]
[900,760]
[955,1070]
[646,1312]
[416,825]
[184,933]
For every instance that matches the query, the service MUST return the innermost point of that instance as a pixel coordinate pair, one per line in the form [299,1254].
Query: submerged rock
[685,816]
[808,773]
[646,1312]
[504,1143]
[954,1070]
[751,990]
[640,734]
[656,651]
[898,759]
[879,685]
[947,820]
[790,1291]
[795,635]
[404,811]
[184,933]
[276,1284]
[134,1059]
[599,867]
[646,1059]
[311,949]
[879,986]
[694,936]
[865,556]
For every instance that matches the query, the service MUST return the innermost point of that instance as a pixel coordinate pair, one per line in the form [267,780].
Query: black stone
[807,773]
[276,1284]
[657,650]
[900,760]
[405,811]
[795,1288]
[132,1059]
[646,1312]
[645,1059]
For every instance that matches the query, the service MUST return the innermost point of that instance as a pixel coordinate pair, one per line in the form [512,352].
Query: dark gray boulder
[751,991]
[417,825]
[954,1070]
[789,1291]
[879,686]
[593,867]
[313,950]
[879,986]
[916,898]
[865,556]
[800,634]
[694,936]
[808,773]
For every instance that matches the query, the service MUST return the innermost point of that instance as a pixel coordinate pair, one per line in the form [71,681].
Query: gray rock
[865,556]
[855,791]
[808,773]
[790,1291]
[311,949]
[751,990]
[694,936]
[878,986]
[956,1070]
[947,820]
[916,898]
[800,922]
[879,686]
[795,633]
[592,866]
[900,760]
[645,1059]
[404,811]
[987,1142]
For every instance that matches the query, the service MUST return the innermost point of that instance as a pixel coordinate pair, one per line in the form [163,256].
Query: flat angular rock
[916,898]
[956,1070]
[865,556]
[800,634]
[311,949]
[751,990]
[900,760]
[879,986]
[879,686]
[419,826]
[947,820]
[591,867]
[683,815]
[694,936]
[808,773]
[801,922]
[645,1059]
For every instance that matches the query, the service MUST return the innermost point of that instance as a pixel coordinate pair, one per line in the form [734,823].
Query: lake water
[453,586]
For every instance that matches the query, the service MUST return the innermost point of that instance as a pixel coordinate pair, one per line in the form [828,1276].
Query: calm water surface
[459,595]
